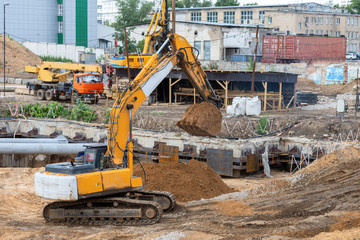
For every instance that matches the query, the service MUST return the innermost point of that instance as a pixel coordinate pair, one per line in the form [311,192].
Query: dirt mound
[346,159]
[17,57]
[203,119]
[305,84]
[192,181]
[234,208]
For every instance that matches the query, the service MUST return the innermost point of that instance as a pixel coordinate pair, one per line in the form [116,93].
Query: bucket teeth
[202,119]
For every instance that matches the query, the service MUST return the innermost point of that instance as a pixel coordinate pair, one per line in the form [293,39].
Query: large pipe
[41,148]
[59,139]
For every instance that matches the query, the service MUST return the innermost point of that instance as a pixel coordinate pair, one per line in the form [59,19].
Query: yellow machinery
[49,71]
[152,38]
[100,187]
[53,84]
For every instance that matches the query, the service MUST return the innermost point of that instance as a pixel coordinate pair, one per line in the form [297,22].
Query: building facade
[107,11]
[301,18]
[216,41]
[55,21]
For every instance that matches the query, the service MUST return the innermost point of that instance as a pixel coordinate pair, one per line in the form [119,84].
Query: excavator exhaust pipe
[202,119]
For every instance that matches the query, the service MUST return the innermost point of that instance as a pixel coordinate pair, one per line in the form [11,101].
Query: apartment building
[301,18]
[107,11]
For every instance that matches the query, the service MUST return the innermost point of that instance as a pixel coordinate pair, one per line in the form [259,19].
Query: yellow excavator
[99,187]
[153,39]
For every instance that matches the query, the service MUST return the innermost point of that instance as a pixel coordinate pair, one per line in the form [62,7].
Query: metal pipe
[59,139]
[41,148]
[162,46]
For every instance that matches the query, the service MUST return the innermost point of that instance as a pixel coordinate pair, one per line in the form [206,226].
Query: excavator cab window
[78,79]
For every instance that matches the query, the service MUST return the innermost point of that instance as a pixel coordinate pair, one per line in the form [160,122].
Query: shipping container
[308,49]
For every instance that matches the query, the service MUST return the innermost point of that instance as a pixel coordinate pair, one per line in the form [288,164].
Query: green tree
[226,3]
[191,3]
[131,12]
[355,6]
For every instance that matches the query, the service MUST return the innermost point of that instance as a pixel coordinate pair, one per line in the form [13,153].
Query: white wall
[60,50]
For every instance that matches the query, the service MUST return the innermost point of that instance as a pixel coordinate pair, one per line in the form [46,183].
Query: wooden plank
[280,95]
[168,154]
[265,96]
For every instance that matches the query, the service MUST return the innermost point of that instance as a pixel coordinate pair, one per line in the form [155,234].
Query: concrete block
[7,99]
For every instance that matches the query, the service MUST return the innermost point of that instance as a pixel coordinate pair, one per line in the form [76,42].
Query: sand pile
[203,119]
[336,166]
[17,56]
[192,181]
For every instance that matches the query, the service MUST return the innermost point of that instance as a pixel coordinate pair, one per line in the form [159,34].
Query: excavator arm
[125,107]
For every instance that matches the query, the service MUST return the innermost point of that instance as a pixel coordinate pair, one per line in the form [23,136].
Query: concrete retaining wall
[97,132]
[61,50]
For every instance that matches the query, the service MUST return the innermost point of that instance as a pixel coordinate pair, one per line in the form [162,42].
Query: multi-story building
[107,11]
[54,21]
[302,18]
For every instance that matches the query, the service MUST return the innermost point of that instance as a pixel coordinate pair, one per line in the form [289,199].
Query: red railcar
[290,49]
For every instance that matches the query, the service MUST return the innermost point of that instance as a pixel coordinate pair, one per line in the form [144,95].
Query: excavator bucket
[202,119]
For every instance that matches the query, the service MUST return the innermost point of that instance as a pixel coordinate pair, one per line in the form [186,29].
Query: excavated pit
[202,119]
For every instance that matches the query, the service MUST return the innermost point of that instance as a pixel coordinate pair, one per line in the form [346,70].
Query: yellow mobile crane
[86,83]
[100,187]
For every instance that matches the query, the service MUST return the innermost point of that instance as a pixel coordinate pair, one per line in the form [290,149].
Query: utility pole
[254,65]
[5,4]
[127,54]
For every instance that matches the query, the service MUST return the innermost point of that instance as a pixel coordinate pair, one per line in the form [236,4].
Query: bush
[55,59]
[82,112]
[261,127]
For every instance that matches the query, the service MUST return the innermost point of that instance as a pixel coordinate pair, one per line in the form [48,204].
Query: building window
[337,20]
[352,35]
[197,45]
[212,17]
[207,48]
[321,32]
[269,20]
[348,21]
[60,10]
[327,32]
[306,21]
[331,21]
[299,26]
[348,35]
[306,32]
[326,21]
[331,33]
[311,20]
[99,15]
[356,35]
[60,25]
[99,6]
[321,20]
[311,32]
[316,20]
[262,17]
[337,34]
[317,32]
[246,17]
[352,21]
[196,16]
[229,17]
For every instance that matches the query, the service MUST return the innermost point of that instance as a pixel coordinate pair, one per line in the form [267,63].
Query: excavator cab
[91,160]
